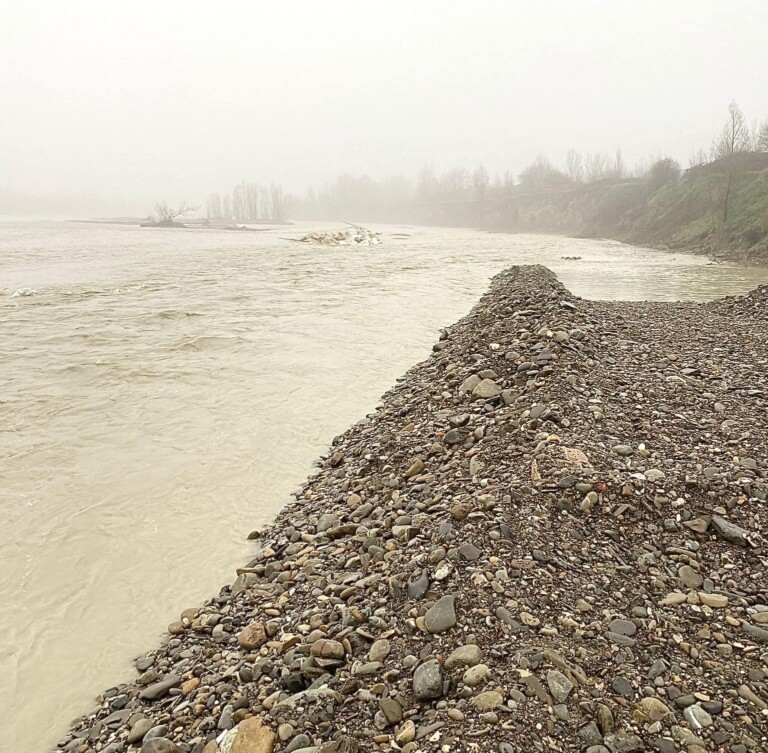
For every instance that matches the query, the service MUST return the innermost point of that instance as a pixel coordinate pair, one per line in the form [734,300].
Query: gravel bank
[549,537]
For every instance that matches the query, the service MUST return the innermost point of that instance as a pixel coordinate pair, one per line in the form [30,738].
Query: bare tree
[454,182]
[618,164]
[213,207]
[595,166]
[761,138]
[574,166]
[167,213]
[480,181]
[734,139]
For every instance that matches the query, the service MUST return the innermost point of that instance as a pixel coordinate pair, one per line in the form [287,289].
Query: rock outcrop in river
[549,537]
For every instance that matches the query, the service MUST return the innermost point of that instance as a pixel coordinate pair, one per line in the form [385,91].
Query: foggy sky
[126,102]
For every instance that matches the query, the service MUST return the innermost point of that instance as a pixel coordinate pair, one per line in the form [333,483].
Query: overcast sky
[133,101]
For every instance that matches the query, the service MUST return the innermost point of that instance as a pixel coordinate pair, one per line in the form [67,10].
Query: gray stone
[469,551]
[622,686]
[590,734]
[392,710]
[298,743]
[441,616]
[622,627]
[697,717]
[454,436]
[622,742]
[327,521]
[428,680]
[619,639]
[418,587]
[689,577]
[486,389]
[757,634]
[730,531]
[159,689]
[559,685]
[139,729]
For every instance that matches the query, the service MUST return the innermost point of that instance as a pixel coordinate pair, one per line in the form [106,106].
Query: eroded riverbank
[549,536]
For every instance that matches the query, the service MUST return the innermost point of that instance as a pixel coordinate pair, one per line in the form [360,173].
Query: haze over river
[165,390]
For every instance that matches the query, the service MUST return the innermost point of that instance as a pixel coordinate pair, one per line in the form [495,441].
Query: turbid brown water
[164,391]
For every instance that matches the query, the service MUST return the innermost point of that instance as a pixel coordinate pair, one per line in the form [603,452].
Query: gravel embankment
[549,537]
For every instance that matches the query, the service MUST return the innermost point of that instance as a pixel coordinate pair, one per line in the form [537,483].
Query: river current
[163,391]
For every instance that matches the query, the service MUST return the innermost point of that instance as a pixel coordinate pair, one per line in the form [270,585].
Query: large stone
[690,577]
[379,650]
[697,717]
[139,729]
[392,710]
[327,649]
[253,736]
[160,689]
[428,681]
[654,709]
[559,685]
[487,389]
[464,656]
[415,468]
[623,742]
[757,634]
[441,616]
[622,627]
[470,383]
[487,701]
[417,587]
[730,531]
[715,601]
[252,636]
[476,675]
[327,521]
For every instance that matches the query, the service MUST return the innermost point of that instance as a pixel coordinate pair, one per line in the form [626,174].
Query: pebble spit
[550,536]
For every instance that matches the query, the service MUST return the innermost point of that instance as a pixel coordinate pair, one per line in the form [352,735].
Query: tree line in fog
[400,198]
[248,202]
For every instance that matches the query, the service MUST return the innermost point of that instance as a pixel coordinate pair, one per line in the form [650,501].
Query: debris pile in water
[354,235]
[24,293]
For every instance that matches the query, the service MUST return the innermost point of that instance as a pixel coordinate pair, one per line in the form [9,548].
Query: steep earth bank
[548,537]
[686,214]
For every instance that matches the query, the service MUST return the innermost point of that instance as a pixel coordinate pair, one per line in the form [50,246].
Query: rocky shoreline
[550,536]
